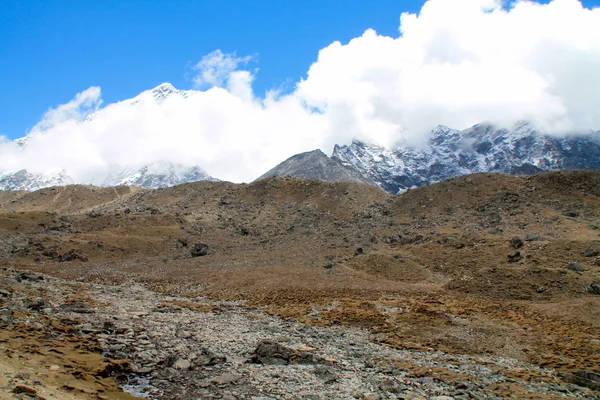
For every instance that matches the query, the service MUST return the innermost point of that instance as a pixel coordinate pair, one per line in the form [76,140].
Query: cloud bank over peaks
[455,63]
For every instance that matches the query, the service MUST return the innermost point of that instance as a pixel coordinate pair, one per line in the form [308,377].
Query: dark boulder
[584,378]
[515,256]
[199,250]
[590,253]
[516,242]
[271,353]
[575,267]
[594,288]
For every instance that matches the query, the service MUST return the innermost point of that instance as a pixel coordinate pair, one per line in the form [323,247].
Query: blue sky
[51,50]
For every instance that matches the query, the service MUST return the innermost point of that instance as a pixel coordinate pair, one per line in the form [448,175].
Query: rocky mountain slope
[482,148]
[481,286]
[315,165]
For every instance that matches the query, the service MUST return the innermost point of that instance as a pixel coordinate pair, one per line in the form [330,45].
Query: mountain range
[448,153]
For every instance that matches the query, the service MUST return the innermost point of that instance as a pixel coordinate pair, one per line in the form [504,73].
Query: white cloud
[214,69]
[457,63]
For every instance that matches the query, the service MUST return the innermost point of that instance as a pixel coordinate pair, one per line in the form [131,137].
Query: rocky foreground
[484,286]
[64,339]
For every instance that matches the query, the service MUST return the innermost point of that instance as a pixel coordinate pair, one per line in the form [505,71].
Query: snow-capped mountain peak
[23,180]
[158,174]
[481,148]
[165,90]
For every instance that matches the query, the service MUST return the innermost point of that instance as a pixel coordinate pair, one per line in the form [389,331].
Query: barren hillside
[482,265]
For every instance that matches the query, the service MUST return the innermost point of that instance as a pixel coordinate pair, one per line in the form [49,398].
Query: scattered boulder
[532,237]
[71,256]
[30,276]
[225,379]
[38,305]
[516,242]
[584,378]
[515,256]
[182,364]
[324,373]
[271,353]
[199,250]
[590,252]
[93,214]
[575,267]
[26,390]
[207,358]
[183,334]
[594,288]
[409,238]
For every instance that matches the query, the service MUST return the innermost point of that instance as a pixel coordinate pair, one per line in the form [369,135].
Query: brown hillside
[428,269]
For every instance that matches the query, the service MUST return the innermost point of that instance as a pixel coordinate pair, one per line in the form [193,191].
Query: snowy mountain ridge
[155,175]
[481,148]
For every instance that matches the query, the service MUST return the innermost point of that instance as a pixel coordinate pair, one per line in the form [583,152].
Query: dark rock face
[482,148]
[315,165]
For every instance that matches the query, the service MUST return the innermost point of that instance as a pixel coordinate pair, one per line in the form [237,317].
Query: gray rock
[515,256]
[532,237]
[226,379]
[583,378]
[575,267]
[595,287]
[324,373]
[516,242]
[315,165]
[590,253]
[206,358]
[184,334]
[38,305]
[199,250]
[182,364]
[30,276]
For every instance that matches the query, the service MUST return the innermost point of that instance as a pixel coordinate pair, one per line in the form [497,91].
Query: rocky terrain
[315,165]
[482,286]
